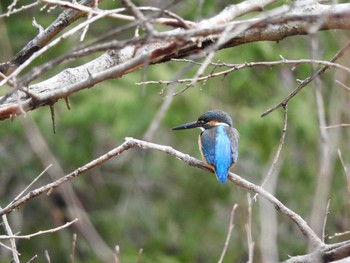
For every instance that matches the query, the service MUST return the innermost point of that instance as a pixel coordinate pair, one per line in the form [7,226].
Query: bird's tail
[221,174]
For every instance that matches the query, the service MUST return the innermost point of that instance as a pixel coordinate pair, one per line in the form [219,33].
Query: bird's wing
[207,148]
[234,136]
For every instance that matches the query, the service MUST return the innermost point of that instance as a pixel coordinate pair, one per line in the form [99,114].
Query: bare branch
[173,20]
[12,10]
[319,72]
[326,151]
[334,251]
[74,206]
[346,173]
[343,85]
[38,52]
[8,248]
[42,39]
[74,244]
[8,230]
[41,232]
[233,11]
[229,233]
[339,234]
[139,255]
[325,222]
[248,228]
[47,256]
[138,15]
[130,143]
[168,45]
[35,257]
[329,253]
[36,179]
[342,125]
[235,67]
[279,148]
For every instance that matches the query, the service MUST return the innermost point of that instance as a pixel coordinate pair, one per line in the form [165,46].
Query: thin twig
[138,15]
[324,174]
[85,29]
[18,10]
[230,31]
[41,232]
[279,148]
[248,228]
[339,234]
[36,179]
[325,222]
[8,231]
[319,72]
[158,117]
[343,85]
[9,248]
[117,250]
[53,118]
[47,256]
[346,174]
[34,258]
[235,67]
[139,255]
[74,244]
[342,125]
[52,44]
[229,233]
[174,19]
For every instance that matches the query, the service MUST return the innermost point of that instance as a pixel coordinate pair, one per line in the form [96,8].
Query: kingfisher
[218,141]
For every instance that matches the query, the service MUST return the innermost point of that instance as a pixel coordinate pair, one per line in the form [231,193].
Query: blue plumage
[223,155]
[217,150]
[218,141]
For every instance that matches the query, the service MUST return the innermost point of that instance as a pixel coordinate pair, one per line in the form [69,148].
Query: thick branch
[174,44]
[329,253]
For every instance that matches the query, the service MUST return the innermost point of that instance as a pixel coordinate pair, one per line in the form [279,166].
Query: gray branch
[176,43]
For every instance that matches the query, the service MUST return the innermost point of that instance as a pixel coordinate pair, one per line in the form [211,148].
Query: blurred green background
[150,200]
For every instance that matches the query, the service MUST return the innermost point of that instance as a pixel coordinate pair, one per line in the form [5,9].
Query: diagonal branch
[321,251]
[329,253]
[130,143]
[319,72]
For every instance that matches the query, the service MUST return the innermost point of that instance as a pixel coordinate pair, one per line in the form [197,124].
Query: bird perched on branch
[218,141]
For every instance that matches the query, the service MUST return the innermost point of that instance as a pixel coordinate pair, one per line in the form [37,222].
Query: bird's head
[208,120]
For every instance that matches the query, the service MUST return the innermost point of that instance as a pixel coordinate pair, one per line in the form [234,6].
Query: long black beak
[189,125]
